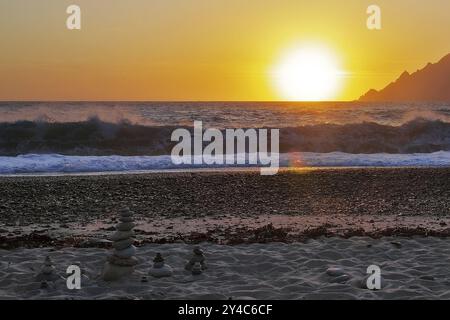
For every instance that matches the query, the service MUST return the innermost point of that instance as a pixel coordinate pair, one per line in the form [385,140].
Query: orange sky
[205,49]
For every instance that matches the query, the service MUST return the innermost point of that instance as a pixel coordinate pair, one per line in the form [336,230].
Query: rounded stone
[161,271]
[197,269]
[125,226]
[335,271]
[126,212]
[122,235]
[126,253]
[123,262]
[123,244]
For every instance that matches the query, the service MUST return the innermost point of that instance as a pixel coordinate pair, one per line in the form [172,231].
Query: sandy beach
[412,268]
[225,150]
[264,237]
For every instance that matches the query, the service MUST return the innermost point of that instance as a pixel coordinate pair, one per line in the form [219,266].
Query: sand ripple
[412,268]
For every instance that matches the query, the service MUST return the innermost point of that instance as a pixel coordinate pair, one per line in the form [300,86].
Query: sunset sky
[206,49]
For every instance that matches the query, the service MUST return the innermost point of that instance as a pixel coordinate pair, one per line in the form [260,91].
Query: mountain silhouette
[431,84]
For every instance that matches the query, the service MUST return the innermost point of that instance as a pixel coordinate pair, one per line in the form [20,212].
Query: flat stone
[129,262]
[164,271]
[123,244]
[197,258]
[122,235]
[335,271]
[126,213]
[94,242]
[126,219]
[126,253]
[125,226]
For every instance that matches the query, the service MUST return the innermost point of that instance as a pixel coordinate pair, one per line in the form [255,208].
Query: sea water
[71,137]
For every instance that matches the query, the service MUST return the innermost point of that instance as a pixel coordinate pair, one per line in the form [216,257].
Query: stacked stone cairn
[47,272]
[160,269]
[197,263]
[123,261]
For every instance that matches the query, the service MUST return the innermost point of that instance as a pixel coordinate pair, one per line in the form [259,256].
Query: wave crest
[95,137]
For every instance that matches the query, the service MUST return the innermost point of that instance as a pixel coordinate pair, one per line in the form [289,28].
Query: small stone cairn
[47,273]
[160,269]
[197,263]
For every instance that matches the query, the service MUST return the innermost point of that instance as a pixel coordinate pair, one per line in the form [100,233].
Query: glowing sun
[307,74]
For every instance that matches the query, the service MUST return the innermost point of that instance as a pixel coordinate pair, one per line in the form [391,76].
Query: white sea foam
[55,163]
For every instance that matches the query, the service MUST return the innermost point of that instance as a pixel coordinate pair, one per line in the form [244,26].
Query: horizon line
[185,101]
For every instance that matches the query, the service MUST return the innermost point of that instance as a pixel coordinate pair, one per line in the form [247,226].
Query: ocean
[77,137]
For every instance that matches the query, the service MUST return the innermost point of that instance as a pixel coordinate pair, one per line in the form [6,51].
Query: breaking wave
[97,138]
[54,163]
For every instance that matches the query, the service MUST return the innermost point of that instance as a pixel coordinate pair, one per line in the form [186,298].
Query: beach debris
[144,279]
[160,269]
[198,257]
[47,272]
[123,261]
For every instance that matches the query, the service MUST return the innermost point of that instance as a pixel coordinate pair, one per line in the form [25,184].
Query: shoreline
[60,165]
[208,170]
[226,206]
